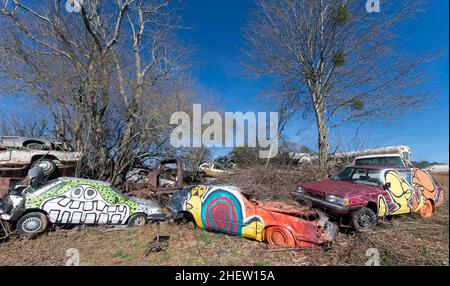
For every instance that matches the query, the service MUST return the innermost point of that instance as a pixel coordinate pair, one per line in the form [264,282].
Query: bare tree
[110,75]
[337,58]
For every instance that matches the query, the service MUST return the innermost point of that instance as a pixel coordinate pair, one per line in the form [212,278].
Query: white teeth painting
[84,204]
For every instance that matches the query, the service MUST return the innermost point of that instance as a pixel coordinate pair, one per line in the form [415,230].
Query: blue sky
[215,31]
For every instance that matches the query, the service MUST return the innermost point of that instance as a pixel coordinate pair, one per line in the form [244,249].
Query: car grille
[315,194]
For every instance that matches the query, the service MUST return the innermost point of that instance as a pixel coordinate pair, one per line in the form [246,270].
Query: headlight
[337,200]
[300,190]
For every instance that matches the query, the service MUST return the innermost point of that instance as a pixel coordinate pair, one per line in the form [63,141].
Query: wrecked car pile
[355,196]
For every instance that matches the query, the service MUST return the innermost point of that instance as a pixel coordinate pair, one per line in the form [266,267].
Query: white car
[75,201]
[20,153]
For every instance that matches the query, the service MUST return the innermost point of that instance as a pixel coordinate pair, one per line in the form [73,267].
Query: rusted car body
[166,178]
[226,209]
[20,159]
[19,154]
[365,193]
[8,183]
[32,143]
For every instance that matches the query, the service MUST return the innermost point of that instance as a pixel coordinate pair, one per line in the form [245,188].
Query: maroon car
[362,194]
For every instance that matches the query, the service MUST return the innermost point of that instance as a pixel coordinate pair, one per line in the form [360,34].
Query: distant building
[437,169]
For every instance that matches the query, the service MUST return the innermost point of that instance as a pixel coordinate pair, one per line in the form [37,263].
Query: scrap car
[32,143]
[165,178]
[361,195]
[74,201]
[18,154]
[226,209]
[213,170]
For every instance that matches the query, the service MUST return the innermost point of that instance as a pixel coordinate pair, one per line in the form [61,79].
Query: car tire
[185,218]
[46,164]
[35,145]
[32,224]
[279,237]
[364,219]
[137,220]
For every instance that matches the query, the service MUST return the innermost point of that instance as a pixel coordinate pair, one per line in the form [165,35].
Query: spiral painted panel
[222,211]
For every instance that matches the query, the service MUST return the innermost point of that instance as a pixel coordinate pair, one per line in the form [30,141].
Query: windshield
[393,162]
[359,176]
[43,188]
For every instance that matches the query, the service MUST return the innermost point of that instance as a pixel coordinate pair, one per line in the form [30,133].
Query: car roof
[67,179]
[369,167]
[378,155]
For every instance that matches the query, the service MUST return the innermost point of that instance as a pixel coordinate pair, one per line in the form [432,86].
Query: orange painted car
[226,209]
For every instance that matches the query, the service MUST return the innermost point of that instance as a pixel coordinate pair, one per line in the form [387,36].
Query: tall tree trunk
[322,139]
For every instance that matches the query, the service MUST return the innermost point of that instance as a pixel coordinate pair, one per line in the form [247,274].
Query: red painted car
[362,194]
[226,209]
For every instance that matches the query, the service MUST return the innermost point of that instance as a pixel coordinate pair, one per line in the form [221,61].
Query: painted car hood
[339,188]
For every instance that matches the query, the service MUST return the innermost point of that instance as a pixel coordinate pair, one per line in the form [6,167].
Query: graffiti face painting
[406,191]
[84,204]
[78,201]
[225,209]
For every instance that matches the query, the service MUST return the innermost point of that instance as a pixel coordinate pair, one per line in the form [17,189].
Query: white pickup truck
[383,160]
[391,156]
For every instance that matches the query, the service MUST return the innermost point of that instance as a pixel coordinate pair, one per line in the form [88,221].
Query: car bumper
[322,204]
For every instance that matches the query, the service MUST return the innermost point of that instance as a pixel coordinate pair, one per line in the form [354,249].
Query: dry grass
[402,240]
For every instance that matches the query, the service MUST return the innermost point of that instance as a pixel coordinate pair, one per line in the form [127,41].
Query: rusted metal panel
[154,183]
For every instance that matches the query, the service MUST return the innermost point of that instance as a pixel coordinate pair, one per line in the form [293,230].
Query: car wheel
[35,145]
[46,164]
[137,220]
[364,219]
[279,237]
[427,209]
[32,224]
[185,218]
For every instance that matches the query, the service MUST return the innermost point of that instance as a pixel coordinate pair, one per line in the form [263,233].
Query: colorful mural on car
[225,209]
[76,201]
[409,190]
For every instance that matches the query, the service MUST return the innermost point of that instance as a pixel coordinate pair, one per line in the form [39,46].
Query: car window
[218,167]
[44,187]
[359,176]
[343,175]
[393,162]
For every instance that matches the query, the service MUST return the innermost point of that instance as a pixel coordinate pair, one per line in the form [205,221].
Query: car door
[5,155]
[222,211]
[400,192]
